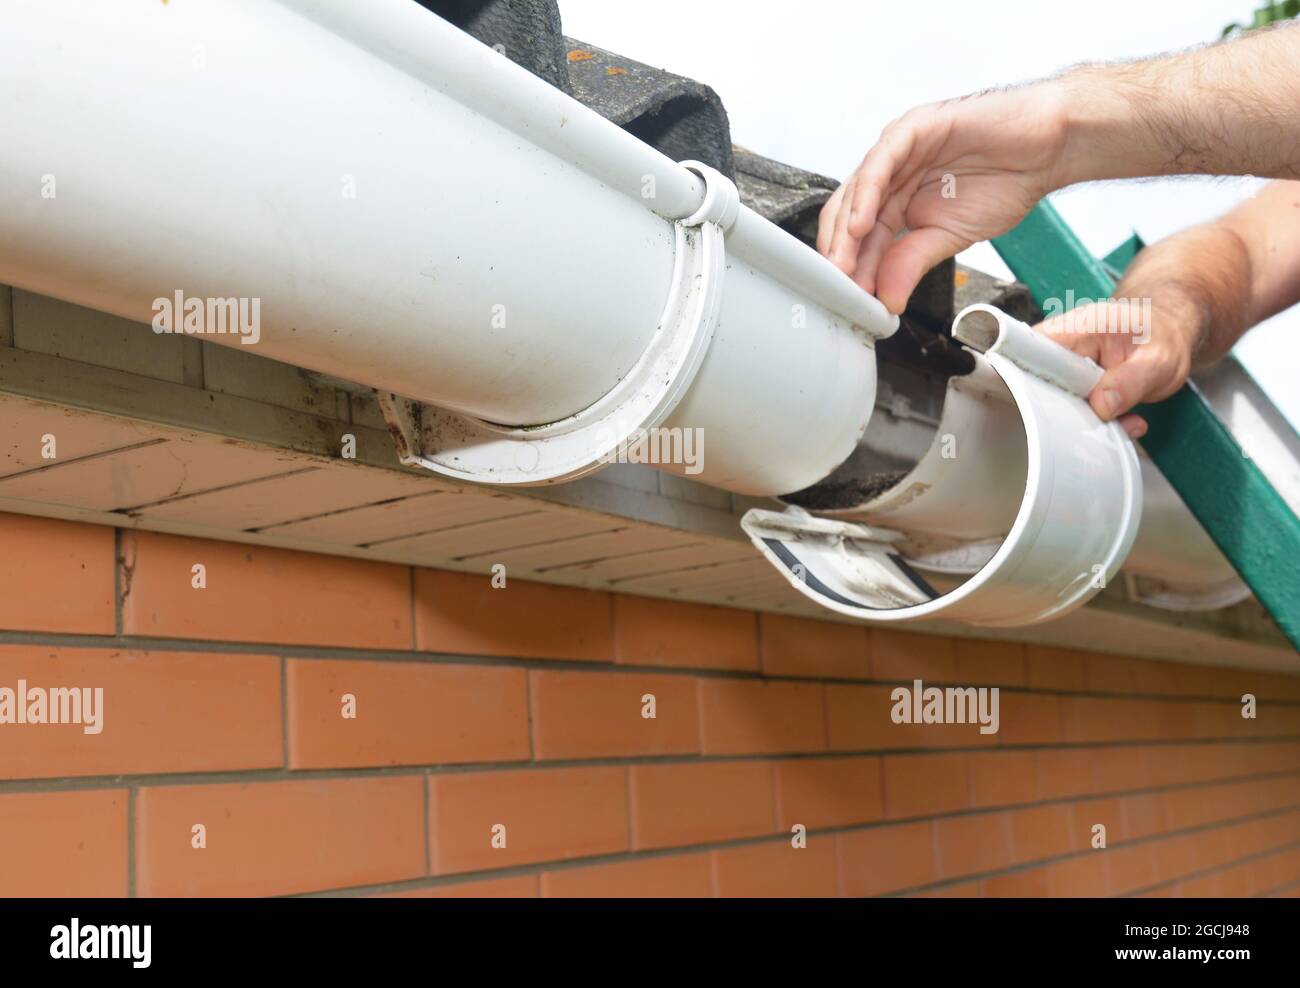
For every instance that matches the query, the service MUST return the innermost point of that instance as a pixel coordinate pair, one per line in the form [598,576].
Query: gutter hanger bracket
[471,449]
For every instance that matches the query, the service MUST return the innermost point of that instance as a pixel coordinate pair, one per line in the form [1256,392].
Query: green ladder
[1234,502]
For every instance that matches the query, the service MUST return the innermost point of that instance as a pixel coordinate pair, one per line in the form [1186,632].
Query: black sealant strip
[917,579]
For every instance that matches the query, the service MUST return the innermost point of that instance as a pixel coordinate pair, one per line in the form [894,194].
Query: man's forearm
[1200,281]
[1229,109]
[1216,280]
[1268,226]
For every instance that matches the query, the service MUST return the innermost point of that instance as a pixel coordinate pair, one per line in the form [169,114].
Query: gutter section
[529,288]
[414,212]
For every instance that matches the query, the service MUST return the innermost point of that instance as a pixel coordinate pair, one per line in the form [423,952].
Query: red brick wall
[522,707]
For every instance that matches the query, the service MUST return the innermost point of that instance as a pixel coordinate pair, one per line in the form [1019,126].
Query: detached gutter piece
[1242,507]
[1021,472]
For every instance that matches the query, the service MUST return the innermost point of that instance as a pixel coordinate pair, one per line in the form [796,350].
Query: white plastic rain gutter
[528,286]
[507,256]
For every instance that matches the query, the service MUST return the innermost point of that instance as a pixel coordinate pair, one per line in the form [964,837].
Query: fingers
[826,221]
[1138,369]
[877,174]
[1134,425]
[851,213]
[906,260]
[1149,374]
[1071,329]
[844,248]
[873,248]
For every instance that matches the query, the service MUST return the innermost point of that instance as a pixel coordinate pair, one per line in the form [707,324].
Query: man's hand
[951,174]
[945,176]
[1146,347]
[1186,300]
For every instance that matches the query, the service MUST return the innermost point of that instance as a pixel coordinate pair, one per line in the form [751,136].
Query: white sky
[812,82]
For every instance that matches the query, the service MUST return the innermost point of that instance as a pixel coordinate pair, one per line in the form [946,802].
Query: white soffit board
[134,474]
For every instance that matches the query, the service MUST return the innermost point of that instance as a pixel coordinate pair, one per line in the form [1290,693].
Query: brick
[1050,668]
[548,815]
[952,735]
[461,614]
[861,718]
[57,576]
[1170,765]
[1118,769]
[1252,836]
[1211,848]
[886,859]
[695,804]
[1085,876]
[1002,778]
[407,713]
[1199,680]
[160,712]
[858,719]
[1202,887]
[1160,892]
[1087,719]
[514,887]
[760,717]
[1171,719]
[1176,856]
[673,876]
[1224,720]
[959,890]
[653,632]
[1130,869]
[277,838]
[1118,674]
[1040,832]
[971,844]
[1274,687]
[1143,815]
[1236,883]
[795,646]
[1064,772]
[777,870]
[1093,812]
[900,656]
[261,594]
[828,792]
[64,844]
[1029,718]
[923,785]
[599,715]
[1028,884]
[989,663]
[1184,808]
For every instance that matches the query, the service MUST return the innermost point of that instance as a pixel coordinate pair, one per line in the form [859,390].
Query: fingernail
[853,215]
[1110,402]
[1137,430]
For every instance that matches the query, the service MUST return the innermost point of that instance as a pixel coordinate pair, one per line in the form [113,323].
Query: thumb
[907,260]
[1143,375]
[1076,329]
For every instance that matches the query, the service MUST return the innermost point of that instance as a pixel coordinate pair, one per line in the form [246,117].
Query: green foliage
[1270,13]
